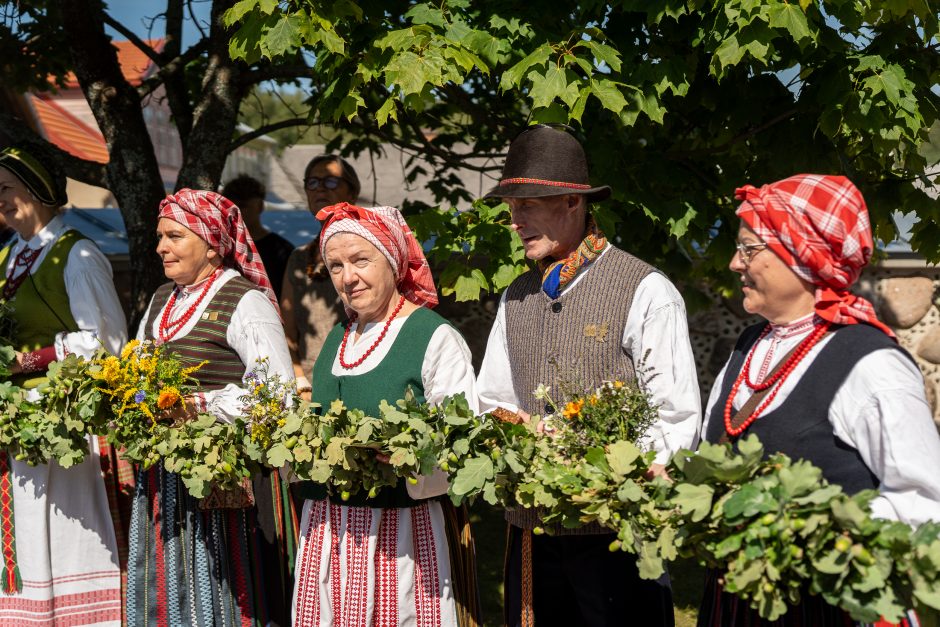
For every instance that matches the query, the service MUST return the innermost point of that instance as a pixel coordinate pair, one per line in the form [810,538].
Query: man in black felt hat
[589,312]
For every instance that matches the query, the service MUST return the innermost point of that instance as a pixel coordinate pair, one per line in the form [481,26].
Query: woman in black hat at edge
[60,552]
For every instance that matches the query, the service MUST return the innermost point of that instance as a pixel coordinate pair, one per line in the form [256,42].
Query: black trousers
[578,581]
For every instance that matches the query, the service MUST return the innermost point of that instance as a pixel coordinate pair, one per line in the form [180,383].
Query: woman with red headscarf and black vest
[194,562]
[404,556]
[822,379]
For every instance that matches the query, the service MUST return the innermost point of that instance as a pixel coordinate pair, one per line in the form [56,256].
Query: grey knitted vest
[570,344]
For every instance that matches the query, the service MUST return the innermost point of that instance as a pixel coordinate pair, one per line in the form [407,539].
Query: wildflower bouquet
[142,386]
[265,405]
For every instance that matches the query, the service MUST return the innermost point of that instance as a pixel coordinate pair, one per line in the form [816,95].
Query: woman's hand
[179,413]
[658,470]
[17,366]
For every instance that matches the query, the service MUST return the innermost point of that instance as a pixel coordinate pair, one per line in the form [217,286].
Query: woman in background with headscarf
[228,565]
[60,553]
[405,556]
[822,379]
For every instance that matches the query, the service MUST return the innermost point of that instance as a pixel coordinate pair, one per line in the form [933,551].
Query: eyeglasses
[314,182]
[747,251]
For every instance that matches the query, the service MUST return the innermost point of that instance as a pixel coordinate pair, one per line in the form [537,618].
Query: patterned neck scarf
[558,274]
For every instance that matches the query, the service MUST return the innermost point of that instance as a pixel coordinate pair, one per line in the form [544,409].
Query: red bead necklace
[777,378]
[167,328]
[342,347]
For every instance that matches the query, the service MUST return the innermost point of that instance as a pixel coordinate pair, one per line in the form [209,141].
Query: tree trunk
[133,174]
[216,113]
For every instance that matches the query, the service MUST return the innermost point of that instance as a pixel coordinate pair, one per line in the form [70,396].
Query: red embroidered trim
[308,604]
[358,527]
[25,259]
[528,181]
[386,570]
[336,578]
[12,583]
[427,583]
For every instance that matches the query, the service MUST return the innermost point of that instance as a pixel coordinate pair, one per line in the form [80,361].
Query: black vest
[800,426]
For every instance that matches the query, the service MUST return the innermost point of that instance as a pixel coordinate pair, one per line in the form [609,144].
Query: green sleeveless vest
[399,370]
[40,307]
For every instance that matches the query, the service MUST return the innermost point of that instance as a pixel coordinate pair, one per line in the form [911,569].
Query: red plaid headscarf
[386,229]
[819,226]
[217,220]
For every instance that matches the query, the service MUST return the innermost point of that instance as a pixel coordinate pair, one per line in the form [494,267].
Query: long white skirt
[365,567]
[65,547]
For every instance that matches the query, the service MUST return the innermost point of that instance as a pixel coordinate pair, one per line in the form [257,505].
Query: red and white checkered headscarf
[218,222]
[386,229]
[818,225]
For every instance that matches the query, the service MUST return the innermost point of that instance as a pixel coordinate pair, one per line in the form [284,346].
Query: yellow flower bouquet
[142,386]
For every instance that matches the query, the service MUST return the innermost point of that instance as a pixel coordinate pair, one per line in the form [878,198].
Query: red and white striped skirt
[364,567]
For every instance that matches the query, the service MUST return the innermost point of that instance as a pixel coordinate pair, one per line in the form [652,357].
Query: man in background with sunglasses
[588,313]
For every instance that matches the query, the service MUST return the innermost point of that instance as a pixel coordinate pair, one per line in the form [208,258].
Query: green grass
[489,530]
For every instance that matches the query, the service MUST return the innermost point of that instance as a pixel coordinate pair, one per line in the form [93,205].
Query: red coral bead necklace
[342,349]
[775,379]
[170,328]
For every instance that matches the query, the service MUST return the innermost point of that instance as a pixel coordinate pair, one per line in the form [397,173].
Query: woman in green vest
[61,554]
[224,560]
[405,556]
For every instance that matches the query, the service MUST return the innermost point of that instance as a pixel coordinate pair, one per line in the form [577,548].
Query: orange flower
[168,397]
[573,409]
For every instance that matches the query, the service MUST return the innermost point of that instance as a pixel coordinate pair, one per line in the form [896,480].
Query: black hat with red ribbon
[546,161]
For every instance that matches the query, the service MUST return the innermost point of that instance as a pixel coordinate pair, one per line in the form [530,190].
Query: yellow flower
[573,409]
[618,384]
[129,349]
[168,397]
[593,399]
[187,372]
[148,365]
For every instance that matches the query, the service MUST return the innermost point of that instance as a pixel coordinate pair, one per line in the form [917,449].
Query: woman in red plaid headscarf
[404,555]
[229,552]
[821,378]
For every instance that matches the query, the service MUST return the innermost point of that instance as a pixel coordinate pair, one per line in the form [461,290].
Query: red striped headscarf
[218,222]
[386,229]
[818,225]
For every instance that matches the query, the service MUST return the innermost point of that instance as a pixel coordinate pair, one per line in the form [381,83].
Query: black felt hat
[546,161]
[40,175]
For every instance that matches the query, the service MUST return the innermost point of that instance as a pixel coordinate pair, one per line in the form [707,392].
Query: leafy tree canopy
[677,103]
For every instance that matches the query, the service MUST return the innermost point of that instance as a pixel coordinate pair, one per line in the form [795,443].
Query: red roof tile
[135,65]
[68,132]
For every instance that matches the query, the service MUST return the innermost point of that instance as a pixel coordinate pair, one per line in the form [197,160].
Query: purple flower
[140,396]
